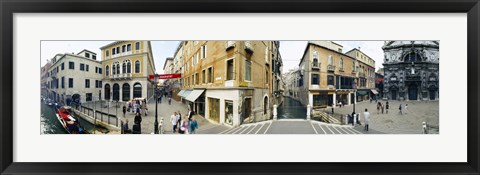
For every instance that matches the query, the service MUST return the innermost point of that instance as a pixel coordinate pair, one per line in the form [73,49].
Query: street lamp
[355,94]
[156,105]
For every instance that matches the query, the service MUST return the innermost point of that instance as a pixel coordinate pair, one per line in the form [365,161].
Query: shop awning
[180,93]
[361,93]
[185,93]
[194,95]
[374,91]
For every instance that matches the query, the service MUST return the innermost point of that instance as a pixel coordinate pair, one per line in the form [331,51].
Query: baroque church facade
[411,70]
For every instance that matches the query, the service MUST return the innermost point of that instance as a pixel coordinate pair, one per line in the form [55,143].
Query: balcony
[361,74]
[124,76]
[341,69]
[248,47]
[229,45]
[121,54]
[331,68]
[315,66]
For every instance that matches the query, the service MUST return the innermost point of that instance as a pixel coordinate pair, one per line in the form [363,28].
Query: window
[88,97]
[71,65]
[137,46]
[137,66]
[124,67]
[204,51]
[94,57]
[100,84]
[114,70]
[248,70]
[266,76]
[196,79]
[63,82]
[106,70]
[96,69]
[87,55]
[118,49]
[87,67]
[113,51]
[331,80]
[203,77]
[100,70]
[230,70]
[129,47]
[96,83]
[124,48]
[87,83]
[210,75]
[315,79]
[330,60]
[129,67]
[70,83]
[106,53]
[63,66]
[82,66]
[341,63]
[118,68]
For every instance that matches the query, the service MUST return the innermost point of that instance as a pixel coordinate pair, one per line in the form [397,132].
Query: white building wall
[223,95]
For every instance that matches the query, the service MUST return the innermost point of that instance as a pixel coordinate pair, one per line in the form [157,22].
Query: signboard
[164,76]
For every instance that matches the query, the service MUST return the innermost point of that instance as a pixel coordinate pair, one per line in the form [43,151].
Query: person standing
[174,121]
[353,118]
[137,126]
[366,116]
[378,107]
[386,107]
[381,105]
[193,125]
[190,114]
[185,126]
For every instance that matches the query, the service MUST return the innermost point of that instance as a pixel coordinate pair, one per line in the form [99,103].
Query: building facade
[325,76]
[76,77]
[366,74]
[228,82]
[411,70]
[44,77]
[127,65]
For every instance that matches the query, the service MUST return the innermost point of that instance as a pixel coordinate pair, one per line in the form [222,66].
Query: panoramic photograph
[239,87]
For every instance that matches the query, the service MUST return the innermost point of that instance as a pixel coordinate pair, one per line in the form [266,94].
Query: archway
[432,90]
[393,92]
[137,90]
[265,105]
[413,91]
[116,93]
[107,92]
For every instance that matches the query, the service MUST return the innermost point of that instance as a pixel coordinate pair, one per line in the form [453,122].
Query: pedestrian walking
[190,114]
[400,109]
[340,103]
[138,118]
[366,116]
[378,107]
[137,126]
[381,104]
[386,107]
[124,110]
[406,108]
[169,100]
[193,125]
[174,121]
[185,126]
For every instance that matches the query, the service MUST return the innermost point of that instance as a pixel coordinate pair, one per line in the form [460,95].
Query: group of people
[185,125]
[381,107]
[402,109]
[137,107]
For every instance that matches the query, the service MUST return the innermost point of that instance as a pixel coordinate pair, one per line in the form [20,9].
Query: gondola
[68,122]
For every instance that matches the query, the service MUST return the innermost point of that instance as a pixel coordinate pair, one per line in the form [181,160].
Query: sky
[291,51]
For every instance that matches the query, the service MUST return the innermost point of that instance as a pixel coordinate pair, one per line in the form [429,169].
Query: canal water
[291,109]
[49,123]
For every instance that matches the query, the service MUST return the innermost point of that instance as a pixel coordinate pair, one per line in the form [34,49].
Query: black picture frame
[9,7]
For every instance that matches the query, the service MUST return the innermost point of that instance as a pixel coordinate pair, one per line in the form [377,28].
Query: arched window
[315,59]
[137,90]
[137,66]
[125,92]
[116,93]
[129,67]
[124,67]
[118,68]
[114,71]
[412,57]
[107,70]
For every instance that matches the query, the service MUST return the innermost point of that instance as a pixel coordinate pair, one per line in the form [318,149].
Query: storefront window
[229,112]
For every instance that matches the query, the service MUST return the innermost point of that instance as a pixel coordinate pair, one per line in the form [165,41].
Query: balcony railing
[331,67]
[316,65]
[248,47]
[229,45]
[121,76]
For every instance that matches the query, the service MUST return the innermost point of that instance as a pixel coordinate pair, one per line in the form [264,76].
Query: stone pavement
[395,123]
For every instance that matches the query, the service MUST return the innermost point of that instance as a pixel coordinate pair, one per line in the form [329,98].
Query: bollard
[346,119]
[355,119]
[274,112]
[308,111]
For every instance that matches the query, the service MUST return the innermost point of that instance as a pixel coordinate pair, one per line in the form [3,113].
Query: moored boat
[68,122]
